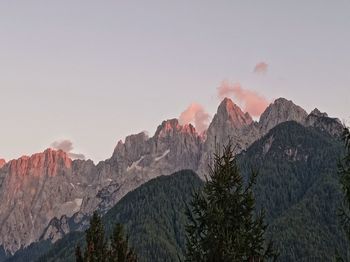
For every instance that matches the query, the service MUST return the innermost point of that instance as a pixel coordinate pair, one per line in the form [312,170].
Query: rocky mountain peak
[228,124]
[321,121]
[318,113]
[228,110]
[167,126]
[281,110]
[133,146]
[172,126]
[136,139]
[45,163]
[2,162]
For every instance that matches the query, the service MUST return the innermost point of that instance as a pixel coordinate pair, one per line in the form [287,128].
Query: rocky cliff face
[41,193]
[34,190]
[56,229]
[2,162]
[281,110]
[172,148]
[230,123]
[332,126]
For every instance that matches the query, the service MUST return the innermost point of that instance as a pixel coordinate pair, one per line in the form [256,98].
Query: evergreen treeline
[98,249]
[299,188]
[344,210]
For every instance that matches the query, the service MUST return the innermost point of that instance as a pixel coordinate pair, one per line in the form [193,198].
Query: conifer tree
[118,249]
[223,224]
[96,250]
[78,255]
[344,171]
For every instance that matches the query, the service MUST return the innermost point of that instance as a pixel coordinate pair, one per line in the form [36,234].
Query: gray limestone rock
[281,110]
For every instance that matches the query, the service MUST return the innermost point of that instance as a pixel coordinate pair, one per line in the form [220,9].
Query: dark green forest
[297,185]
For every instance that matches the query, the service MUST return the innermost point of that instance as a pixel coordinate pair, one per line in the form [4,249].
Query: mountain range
[297,186]
[47,195]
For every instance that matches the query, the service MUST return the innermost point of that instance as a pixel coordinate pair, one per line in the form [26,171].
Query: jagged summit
[167,126]
[133,145]
[172,126]
[318,113]
[321,121]
[230,111]
[229,123]
[45,163]
[281,110]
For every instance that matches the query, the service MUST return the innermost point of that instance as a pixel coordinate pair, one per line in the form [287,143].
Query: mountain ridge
[297,189]
[83,187]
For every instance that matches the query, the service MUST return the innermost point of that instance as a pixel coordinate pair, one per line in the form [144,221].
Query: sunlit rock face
[2,162]
[40,193]
[34,190]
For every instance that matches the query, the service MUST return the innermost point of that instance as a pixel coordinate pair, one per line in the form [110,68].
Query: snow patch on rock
[135,165]
[162,156]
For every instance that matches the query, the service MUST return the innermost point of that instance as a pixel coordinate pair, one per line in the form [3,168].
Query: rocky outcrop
[56,229]
[321,121]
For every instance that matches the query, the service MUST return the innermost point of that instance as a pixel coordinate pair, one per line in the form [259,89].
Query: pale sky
[95,71]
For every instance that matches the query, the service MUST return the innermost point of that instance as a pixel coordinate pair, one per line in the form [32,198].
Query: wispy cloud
[251,101]
[195,114]
[67,146]
[261,68]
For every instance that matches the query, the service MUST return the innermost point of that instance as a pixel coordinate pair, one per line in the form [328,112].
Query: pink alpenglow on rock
[41,164]
[2,162]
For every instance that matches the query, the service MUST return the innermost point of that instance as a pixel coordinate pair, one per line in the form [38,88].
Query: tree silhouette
[119,250]
[99,250]
[96,248]
[223,225]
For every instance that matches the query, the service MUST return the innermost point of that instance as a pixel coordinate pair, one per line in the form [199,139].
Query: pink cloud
[251,101]
[195,114]
[261,68]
